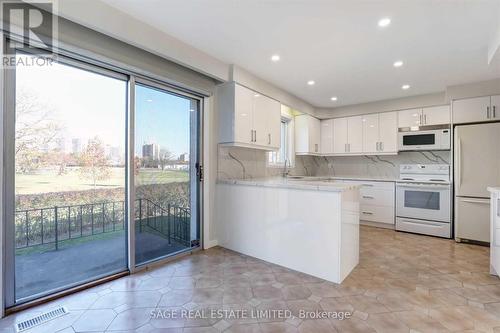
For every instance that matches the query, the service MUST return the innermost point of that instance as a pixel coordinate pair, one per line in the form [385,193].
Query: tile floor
[404,283]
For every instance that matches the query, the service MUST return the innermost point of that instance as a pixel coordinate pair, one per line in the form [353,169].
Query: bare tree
[93,162]
[166,157]
[35,130]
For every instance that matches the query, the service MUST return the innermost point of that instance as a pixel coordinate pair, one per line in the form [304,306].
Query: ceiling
[338,44]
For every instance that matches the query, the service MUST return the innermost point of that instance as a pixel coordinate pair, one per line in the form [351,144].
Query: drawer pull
[368,197]
[367,213]
[367,185]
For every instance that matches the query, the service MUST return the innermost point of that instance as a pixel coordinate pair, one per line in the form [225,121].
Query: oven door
[421,140]
[423,201]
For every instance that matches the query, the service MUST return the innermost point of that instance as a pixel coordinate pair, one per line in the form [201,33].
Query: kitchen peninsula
[311,226]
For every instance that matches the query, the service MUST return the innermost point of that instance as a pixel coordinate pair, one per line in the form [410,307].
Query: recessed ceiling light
[405,86]
[398,63]
[384,22]
[333,98]
[256,95]
[311,82]
[275,57]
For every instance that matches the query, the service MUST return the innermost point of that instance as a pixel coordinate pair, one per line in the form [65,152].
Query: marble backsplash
[243,163]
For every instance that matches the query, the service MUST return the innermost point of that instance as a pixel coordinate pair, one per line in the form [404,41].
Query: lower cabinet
[377,201]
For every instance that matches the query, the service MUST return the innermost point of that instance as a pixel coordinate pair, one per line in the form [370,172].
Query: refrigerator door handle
[478,201]
[459,163]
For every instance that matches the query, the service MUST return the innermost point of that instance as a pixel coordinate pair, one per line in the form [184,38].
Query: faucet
[285,170]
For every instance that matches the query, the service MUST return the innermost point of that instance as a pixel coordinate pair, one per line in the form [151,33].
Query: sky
[87,104]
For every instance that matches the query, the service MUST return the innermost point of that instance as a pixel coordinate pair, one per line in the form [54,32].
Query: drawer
[380,214]
[440,229]
[371,184]
[377,197]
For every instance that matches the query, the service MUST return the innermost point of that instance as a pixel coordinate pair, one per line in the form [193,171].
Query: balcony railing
[53,225]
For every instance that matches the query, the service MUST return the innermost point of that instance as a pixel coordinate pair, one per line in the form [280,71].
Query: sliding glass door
[69,165]
[166,182]
[101,173]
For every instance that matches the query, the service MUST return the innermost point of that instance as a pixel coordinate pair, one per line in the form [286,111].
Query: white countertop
[308,183]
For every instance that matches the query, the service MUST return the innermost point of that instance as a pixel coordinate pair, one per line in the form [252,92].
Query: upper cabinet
[380,133]
[348,135]
[434,115]
[326,143]
[477,109]
[247,118]
[307,135]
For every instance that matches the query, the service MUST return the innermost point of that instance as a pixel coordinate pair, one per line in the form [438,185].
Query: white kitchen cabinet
[355,134]
[340,135]
[247,118]
[495,231]
[433,115]
[326,143]
[380,133]
[307,135]
[410,117]
[377,201]
[495,107]
[436,115]
[470,110]
[388,132]
[371,133]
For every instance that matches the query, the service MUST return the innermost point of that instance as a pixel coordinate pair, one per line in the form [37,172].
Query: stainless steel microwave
[424,139]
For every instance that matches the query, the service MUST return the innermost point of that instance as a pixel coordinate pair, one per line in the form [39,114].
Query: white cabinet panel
[307,135]
[495,107]
[315,135]
[243,115]
[472,219]
[371,133]
[409,118]
[273,123]
[388,132]
[326,136]
[379,214]
[261,108]
[247,118]
[471,110]
[340,135]
[355,134]
[436,115]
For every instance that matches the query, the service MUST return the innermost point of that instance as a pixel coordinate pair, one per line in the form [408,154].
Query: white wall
[247,79]
[474,89]
[122,26]
[384,105]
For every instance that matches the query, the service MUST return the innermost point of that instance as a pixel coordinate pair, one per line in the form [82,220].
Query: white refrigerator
[476,166]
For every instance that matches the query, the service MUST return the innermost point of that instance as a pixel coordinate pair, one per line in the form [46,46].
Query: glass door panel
[69,217]
[166,182]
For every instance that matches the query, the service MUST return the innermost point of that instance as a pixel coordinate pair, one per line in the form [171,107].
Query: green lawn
[49,181]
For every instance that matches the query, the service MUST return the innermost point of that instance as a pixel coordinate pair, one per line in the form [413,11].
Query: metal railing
[53,225]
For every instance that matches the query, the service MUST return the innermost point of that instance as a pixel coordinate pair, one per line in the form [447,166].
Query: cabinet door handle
[345,147]
[488,112]
[420,120]
[255,135]
[425,119]
[269,139]
[494,111]
[377,146]
[315,147]
[381,146]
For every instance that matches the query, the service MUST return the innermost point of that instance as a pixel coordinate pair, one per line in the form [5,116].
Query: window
[285,153]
